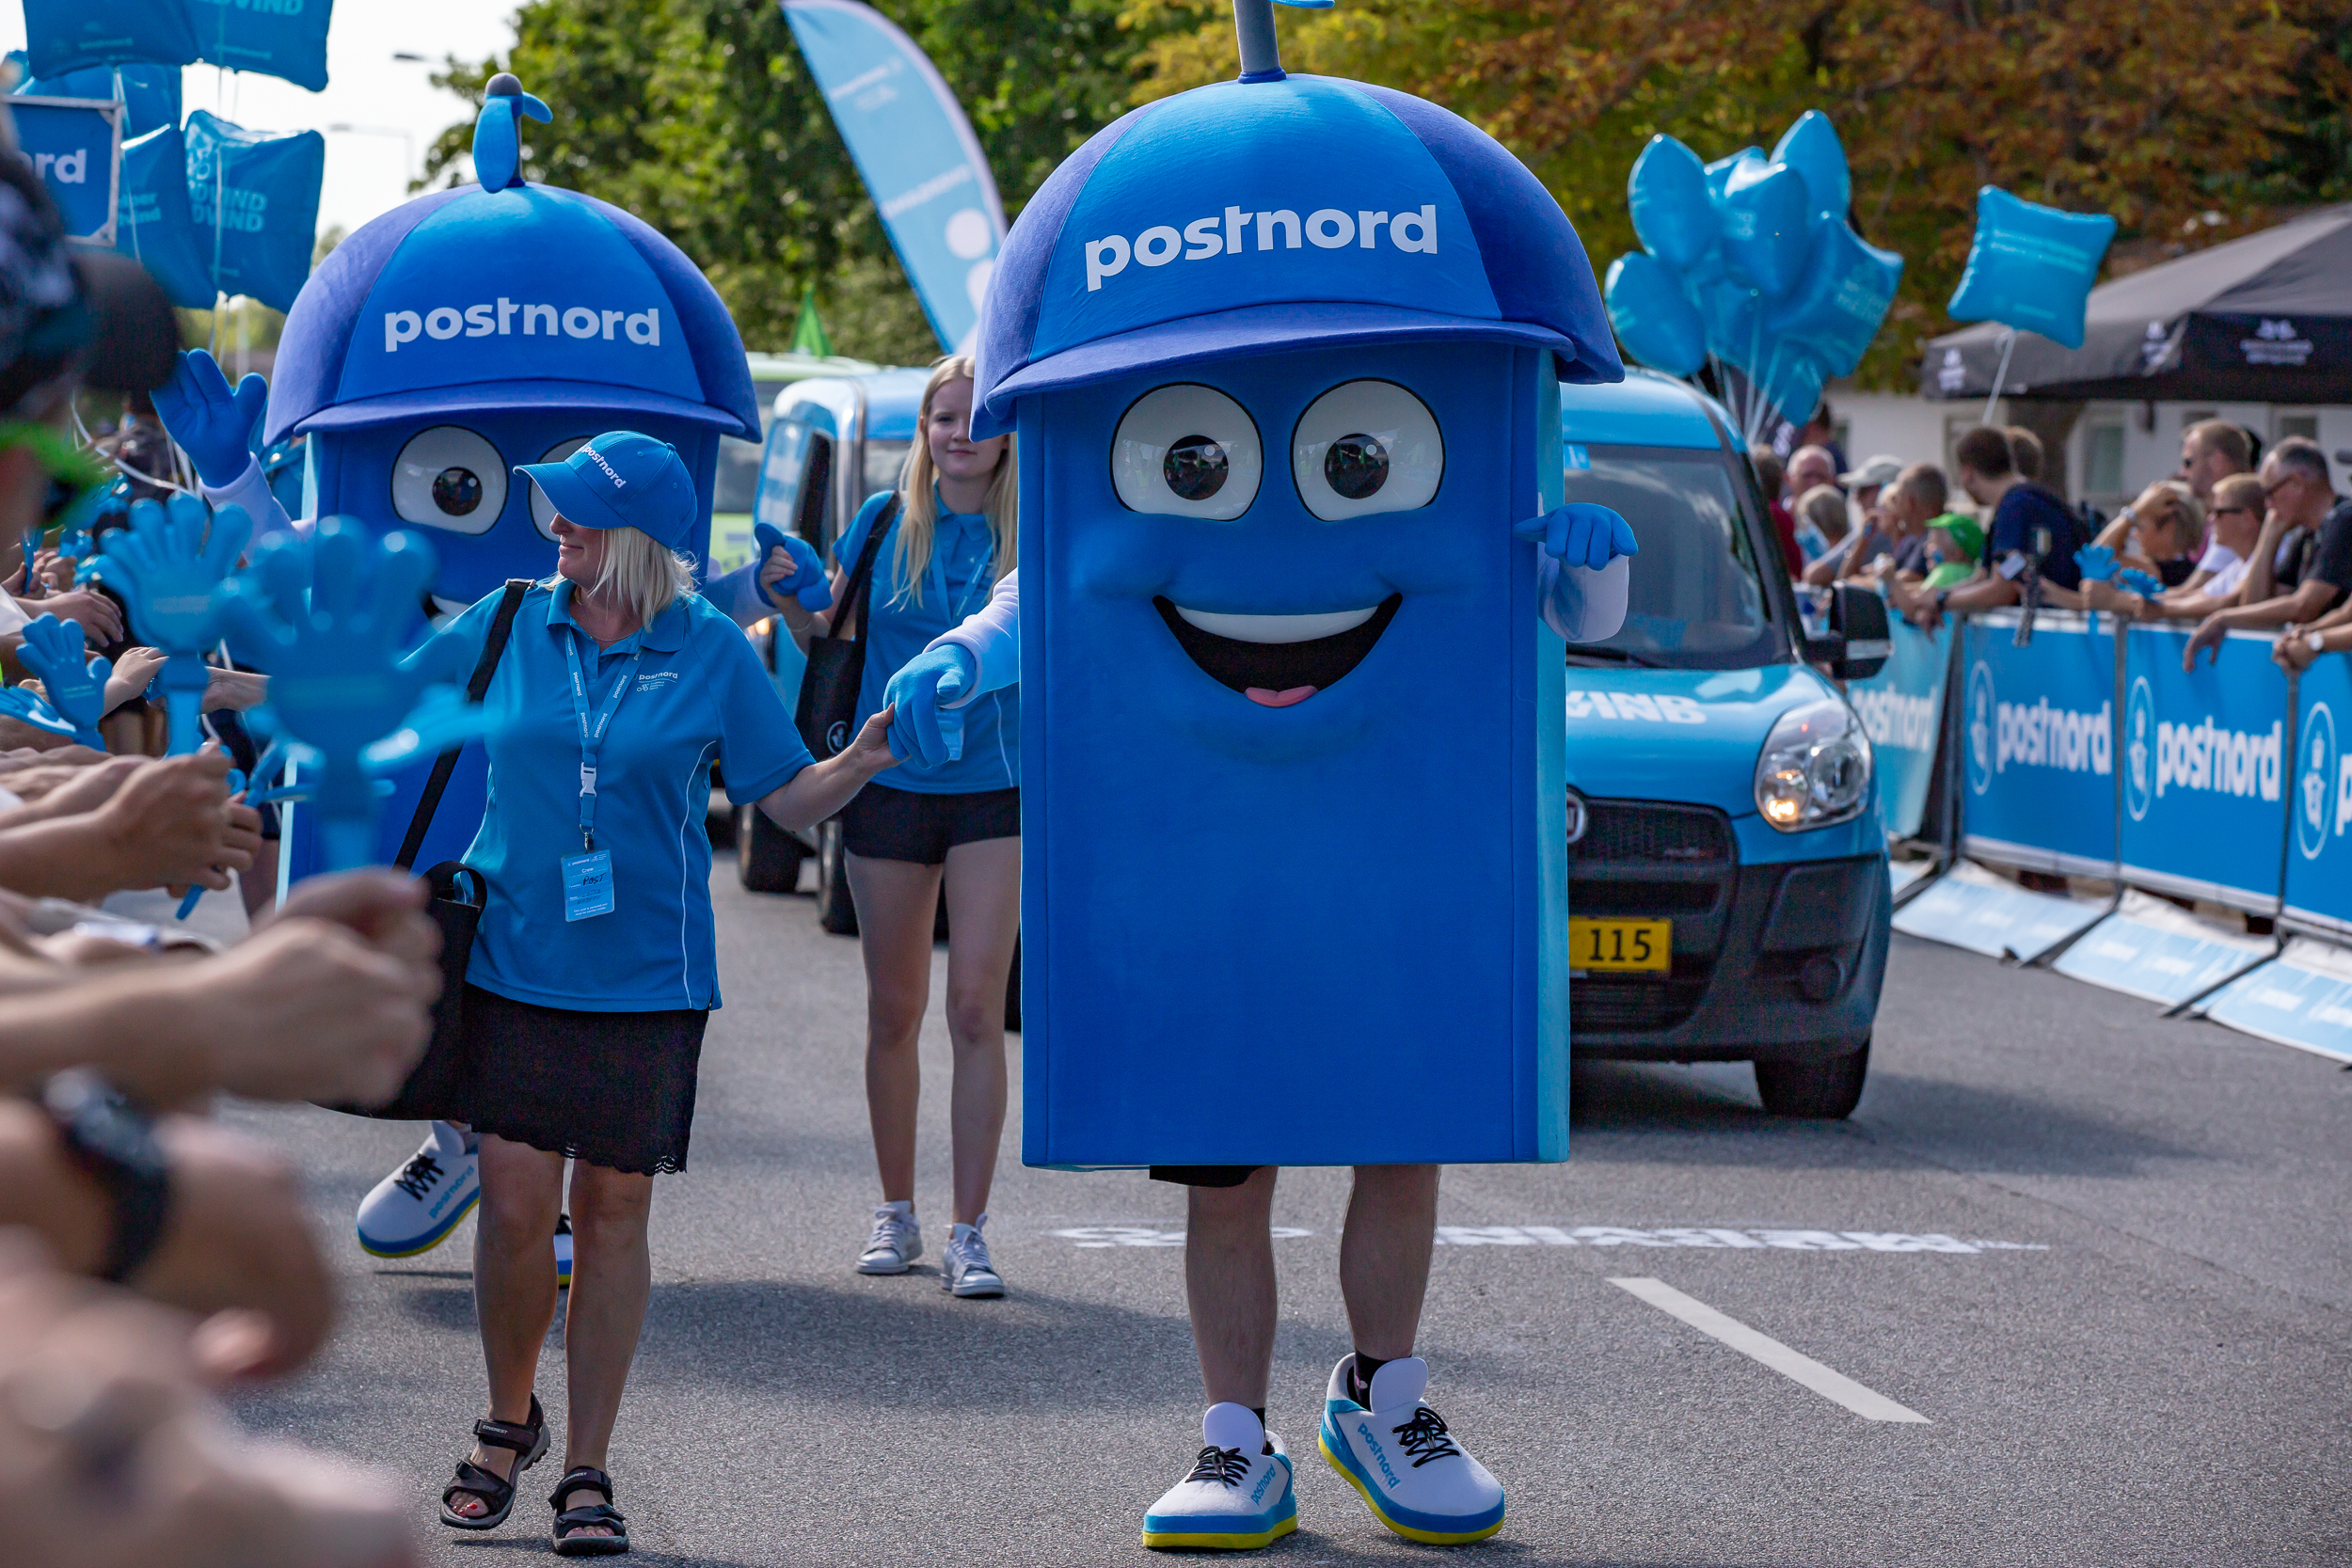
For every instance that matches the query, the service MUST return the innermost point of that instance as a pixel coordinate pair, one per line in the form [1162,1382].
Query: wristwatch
[2315,640]
[113,1142]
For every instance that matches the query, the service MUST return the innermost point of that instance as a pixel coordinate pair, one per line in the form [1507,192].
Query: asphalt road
[2125,1329]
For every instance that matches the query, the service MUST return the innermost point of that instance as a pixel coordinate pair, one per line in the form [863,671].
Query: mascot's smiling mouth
[1278,660]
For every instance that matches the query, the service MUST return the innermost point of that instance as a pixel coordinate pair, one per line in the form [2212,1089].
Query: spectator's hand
[2206,639]
[212,423]
[926,728]
[134,673]
[2293,650]
[1581,534]
[313,1008]
[99,617]
[789,567]
[384,908]
[25,758]
[171,824]
[236,688]
[69,790]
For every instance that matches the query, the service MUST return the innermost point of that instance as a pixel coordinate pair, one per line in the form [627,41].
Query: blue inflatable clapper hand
[2140,582]
[333,657]
[1581,534]
[2097,561]
[165,565]
[212,423]
[924,727]
[807,584]
[26,708]
[497,137]
[74,679]
[441,719]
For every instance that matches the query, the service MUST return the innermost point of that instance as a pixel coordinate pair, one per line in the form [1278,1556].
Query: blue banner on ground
[2302,998]
[2037,744]
[264,202]
[73,145]
[69,35]
[2204,753]
[1970,907]
[2151,949]
[1900,707]
[153,224]
[916,152]
[276,37]
[2319,863]
[149,93]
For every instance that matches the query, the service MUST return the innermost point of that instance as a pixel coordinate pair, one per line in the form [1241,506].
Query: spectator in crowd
[1823,523]
[1954,552]
[2211,451]
[2033,533]
[2166,518]
[2295,482]
[2024,452]
[1808,468]
[1819,430]
[1919,496]
[2162,532]
[1871,486]
[1771,474]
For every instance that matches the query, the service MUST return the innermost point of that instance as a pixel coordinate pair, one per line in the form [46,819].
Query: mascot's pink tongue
[1291,698]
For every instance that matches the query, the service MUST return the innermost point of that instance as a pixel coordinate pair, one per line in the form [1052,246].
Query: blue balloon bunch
[1750,260]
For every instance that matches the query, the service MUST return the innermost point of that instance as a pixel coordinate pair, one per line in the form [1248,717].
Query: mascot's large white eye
[449,478]
[1188,451]
[1366,447]
[542,509]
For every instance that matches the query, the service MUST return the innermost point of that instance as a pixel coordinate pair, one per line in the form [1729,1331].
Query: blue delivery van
[1728,895]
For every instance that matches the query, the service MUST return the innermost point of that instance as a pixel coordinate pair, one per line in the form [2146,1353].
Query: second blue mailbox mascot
[1283,354]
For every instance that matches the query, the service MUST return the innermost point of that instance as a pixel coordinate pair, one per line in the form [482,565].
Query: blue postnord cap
[1251,217]
[622,479]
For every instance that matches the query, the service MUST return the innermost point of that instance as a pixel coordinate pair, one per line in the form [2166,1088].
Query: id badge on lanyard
[588,889]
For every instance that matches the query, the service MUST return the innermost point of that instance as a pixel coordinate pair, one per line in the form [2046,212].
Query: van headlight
[1814,768]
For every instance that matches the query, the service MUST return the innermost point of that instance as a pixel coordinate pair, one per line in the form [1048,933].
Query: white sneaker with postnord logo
[1410,1471]
[414,1209]
[1236,1495]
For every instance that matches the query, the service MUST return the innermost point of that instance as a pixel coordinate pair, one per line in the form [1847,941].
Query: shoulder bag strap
[501,624]
[859,588]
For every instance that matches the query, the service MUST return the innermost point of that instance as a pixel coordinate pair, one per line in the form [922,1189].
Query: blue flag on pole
[150,94]
[282,37]
[71,143]
[254,196]
[68,34]
[153,224]
[916,152]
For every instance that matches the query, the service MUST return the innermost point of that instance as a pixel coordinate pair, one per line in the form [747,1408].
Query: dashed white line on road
[1718,1236]
[1833,1385]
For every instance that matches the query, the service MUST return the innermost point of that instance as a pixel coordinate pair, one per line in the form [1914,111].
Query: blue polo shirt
[699,696]
[963,569]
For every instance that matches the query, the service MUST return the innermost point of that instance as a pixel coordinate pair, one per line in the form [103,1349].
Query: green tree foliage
[700,117]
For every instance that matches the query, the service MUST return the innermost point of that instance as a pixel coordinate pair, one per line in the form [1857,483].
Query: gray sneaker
[966,1270]
[896,1241]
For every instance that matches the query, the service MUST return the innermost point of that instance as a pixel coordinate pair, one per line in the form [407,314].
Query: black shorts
[1205,1176]
[884,824]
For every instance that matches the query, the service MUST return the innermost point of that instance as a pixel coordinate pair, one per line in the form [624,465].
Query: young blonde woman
[596,967]
[948,537]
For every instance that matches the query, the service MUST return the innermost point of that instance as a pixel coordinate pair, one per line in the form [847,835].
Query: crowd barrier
[2074,752]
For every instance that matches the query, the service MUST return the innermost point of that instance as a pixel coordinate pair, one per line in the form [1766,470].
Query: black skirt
[614,1089]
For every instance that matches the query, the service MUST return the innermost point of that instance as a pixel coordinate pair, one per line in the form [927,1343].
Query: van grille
[1625,831]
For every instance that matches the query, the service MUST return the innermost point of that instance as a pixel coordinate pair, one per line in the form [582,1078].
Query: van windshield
[1696,600]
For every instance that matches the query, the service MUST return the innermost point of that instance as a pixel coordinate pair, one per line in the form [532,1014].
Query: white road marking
[1833,1385]
[1716,1235]
[1144,1235]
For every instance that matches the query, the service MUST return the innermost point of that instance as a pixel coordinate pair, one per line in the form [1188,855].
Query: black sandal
[586,1478]
[529,1441]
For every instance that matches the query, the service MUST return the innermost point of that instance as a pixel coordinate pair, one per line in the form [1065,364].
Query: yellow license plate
[1621,944]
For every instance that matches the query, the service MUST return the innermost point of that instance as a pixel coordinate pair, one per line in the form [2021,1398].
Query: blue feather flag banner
[916,152]
[254,196]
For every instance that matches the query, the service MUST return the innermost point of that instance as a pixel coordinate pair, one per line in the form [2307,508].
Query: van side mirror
[1860,640]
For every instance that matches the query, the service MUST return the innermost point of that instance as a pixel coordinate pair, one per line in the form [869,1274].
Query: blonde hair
[1824,507]
[2177,503]
[919,504]
[639,574]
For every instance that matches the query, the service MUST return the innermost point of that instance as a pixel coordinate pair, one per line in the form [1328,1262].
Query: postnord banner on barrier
[2037,743]
[1901,709]
[2319,860]
[2203,755]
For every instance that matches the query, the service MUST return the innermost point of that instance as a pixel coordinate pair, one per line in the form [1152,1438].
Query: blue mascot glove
[2140,582]
[1581,534]
[74,681]
[326,617]
[165,565]
[924,727]
[22,705]
[212,424]
[2096,563]
[807,583]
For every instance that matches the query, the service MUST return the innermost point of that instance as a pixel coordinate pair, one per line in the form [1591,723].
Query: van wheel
[1827,1089]
[835,911]
[767,859]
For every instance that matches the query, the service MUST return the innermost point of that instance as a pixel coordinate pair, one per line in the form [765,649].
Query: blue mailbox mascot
[462,334]
[1283,357]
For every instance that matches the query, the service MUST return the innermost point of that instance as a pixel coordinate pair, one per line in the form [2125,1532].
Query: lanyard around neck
[593,729]
[958,609]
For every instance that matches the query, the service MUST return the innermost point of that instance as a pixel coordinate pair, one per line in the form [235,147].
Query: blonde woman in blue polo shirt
[595,966]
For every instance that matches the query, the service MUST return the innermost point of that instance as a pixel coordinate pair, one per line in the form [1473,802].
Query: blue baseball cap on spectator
[622,479]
